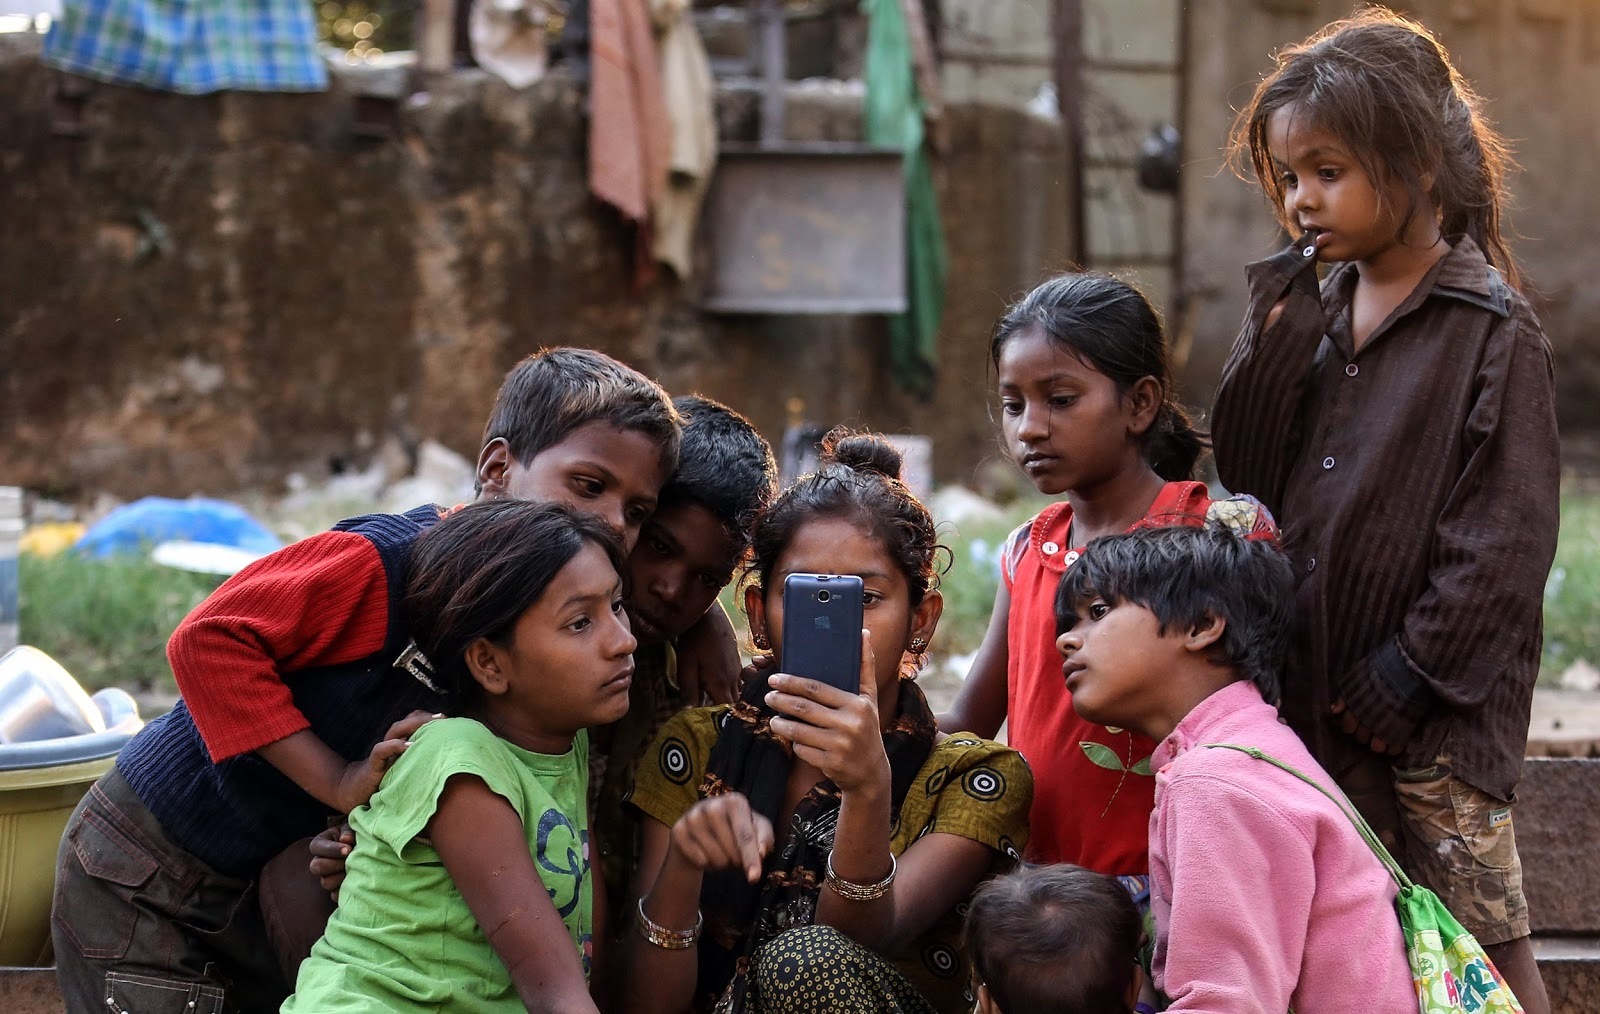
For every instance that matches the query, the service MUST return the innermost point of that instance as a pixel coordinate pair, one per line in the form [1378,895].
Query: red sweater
[321,601]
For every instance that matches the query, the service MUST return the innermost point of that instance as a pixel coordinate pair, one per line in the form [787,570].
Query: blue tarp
[136,527]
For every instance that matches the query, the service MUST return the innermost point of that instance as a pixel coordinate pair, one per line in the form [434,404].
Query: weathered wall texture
[205,294]
[1536,62]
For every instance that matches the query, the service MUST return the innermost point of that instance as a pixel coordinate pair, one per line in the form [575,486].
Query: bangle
[668,939]
[851,891]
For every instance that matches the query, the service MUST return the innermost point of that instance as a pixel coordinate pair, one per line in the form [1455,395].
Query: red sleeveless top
[1092,785]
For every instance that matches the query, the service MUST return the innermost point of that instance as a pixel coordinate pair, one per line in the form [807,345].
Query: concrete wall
[1536,62]
[204,294]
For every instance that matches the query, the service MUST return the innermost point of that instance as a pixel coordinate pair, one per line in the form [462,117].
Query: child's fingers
[804,733]
[869,669]
[766,838]
[806,691]
[384,754]
[749,838]
[410,724]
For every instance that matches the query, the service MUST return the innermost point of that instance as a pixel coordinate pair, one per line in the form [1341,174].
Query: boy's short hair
[554,391]
[724,465]
[1046,939]
[1183,574]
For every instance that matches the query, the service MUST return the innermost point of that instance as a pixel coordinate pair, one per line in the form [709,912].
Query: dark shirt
[1417,482]
[614,757]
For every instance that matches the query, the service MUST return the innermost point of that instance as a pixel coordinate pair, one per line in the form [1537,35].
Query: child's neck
[1186,689]
[1114,506]
[1384,280]
[519,732]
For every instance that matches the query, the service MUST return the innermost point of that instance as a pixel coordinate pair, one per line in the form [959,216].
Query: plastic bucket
[34,806]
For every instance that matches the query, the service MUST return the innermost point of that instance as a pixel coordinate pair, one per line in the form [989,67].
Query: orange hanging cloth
[629,142]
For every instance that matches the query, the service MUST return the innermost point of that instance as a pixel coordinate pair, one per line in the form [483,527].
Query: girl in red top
[1087,412]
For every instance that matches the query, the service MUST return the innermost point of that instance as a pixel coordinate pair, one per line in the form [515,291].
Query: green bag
[1449,968]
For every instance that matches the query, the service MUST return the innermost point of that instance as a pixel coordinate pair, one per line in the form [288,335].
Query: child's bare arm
[312,765]
[980,706]
[484,846]
[720,833]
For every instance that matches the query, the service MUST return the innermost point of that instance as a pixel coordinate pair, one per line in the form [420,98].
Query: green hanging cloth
[894,120]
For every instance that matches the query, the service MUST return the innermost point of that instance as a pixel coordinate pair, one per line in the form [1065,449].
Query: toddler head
[1046,939]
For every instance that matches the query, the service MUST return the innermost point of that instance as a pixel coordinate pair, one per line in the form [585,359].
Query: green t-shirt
[402,937]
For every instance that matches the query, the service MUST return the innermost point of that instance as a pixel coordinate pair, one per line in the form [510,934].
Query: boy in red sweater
[290,673]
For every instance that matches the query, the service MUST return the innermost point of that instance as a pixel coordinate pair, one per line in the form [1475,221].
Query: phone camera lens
[823,596]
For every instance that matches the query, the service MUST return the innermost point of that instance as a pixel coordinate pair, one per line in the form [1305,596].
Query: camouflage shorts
[1450,836]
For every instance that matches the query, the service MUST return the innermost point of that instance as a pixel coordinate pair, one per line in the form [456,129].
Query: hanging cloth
[627,120]
[689,95]
[894,118]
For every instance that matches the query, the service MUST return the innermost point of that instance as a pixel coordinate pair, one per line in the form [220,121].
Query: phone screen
[822,628]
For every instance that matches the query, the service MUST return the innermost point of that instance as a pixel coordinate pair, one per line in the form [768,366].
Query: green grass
[1572,595]
[108,622]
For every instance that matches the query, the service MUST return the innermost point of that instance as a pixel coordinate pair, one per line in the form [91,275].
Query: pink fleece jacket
[1264,894]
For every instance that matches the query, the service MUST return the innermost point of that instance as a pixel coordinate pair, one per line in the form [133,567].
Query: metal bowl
[40,700]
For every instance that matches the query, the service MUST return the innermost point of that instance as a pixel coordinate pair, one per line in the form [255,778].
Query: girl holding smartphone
[807,847]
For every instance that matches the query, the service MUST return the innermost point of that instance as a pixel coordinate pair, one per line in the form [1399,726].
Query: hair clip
[414,662]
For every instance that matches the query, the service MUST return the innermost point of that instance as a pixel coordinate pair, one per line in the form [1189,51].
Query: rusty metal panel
[807,229]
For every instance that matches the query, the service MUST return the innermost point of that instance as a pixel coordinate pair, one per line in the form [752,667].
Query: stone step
[1558,835]
[1570,967]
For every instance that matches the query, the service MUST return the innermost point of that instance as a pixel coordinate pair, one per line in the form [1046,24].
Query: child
[1087,411]
[472,858]
[290,673]
[849,787]
[1046,939]
[1400,421]
[1265,895]
[686,555]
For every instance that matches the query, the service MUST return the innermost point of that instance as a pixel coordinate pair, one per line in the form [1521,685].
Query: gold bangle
[851,891]
[664,938]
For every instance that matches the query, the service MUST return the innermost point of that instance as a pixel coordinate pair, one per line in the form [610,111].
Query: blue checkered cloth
[191,46]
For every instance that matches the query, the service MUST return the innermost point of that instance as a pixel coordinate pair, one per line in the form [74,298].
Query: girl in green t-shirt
[468,889]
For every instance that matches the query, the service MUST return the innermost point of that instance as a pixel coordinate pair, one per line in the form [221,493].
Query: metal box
[807,228]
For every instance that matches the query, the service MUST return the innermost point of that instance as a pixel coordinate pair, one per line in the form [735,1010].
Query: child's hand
[360,779]
[723,833]
[1348,722]
[329,851]
[835,731]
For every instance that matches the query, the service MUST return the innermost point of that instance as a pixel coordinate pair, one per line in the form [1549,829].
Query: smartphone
[822,628]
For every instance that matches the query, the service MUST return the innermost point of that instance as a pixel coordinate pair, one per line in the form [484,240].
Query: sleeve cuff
[1387,694]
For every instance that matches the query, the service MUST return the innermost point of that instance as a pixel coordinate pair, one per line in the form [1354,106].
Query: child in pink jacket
[1264,894]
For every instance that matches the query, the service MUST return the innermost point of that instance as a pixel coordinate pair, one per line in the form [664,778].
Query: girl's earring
[919,645]
[761,642]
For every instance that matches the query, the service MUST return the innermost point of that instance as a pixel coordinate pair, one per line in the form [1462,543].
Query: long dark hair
[857,481]
[474,573]
[1383,85]
[1110,325]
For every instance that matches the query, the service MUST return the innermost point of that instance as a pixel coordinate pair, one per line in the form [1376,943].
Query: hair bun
[867,452]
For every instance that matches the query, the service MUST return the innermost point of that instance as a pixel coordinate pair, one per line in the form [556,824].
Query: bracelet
[668,939]
[851,891]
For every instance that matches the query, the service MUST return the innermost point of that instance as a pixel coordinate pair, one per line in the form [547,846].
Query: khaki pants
[1449,836]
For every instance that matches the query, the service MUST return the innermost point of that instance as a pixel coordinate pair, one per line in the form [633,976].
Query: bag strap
[1341,801]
